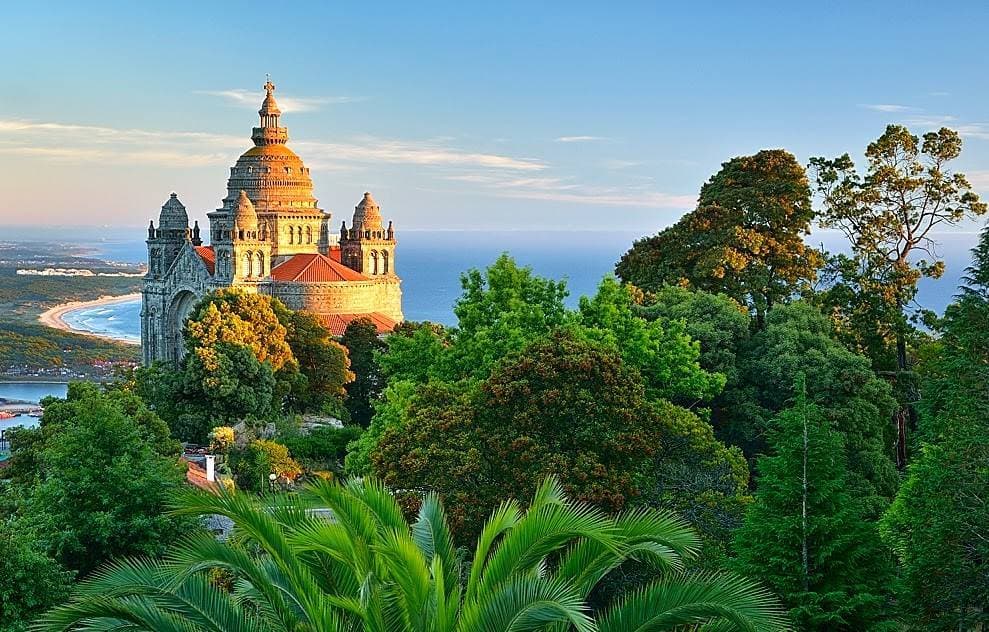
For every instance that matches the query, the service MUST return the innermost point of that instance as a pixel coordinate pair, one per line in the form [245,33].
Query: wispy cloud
[558,189]
[974,130]
[580,139]
[286,103]
[929,120]
[979,180]
[492,174]
[616,164]
[117,145]
[425,153]
[887,107]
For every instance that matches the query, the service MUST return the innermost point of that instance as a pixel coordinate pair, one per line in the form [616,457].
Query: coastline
[54,317]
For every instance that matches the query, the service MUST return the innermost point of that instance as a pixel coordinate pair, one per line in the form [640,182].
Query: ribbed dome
[173,215]
[245,218]
[271,174]
[367,214]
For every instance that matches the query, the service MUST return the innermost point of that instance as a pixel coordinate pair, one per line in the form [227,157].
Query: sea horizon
[430,264]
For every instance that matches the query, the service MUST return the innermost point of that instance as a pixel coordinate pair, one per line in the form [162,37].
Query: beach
[56,316]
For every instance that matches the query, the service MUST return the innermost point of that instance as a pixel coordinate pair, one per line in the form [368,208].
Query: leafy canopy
[745,239]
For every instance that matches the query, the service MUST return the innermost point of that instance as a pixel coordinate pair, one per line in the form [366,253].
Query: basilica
[269,236]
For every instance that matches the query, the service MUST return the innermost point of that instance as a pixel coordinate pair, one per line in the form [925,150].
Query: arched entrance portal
[178,311]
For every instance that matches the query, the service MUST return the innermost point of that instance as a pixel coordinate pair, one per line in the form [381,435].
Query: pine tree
[805,536]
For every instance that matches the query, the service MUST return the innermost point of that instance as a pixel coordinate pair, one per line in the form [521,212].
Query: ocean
[431,262]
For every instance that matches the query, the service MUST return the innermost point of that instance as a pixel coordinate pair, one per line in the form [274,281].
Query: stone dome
[245,218]
[272,175]
[367,214]
[173,215]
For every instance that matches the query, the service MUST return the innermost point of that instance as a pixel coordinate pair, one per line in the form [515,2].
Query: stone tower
[243,258]
[368,247]
[165,242]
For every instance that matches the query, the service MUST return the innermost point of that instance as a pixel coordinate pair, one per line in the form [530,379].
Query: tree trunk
[905,410]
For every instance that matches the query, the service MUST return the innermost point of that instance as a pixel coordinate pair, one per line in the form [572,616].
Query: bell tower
[368,247]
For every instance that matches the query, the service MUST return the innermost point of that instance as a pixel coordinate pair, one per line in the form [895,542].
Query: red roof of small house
[336,324]
[314,268]
[208,256]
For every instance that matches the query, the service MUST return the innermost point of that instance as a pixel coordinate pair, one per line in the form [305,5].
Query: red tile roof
[337,323]
[314,268]
[335,253]
[208,256]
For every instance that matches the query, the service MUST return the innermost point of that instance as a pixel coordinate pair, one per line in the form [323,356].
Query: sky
[463,115]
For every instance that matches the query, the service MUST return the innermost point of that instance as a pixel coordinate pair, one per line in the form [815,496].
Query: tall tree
[30,581]
[368,570]
[323,362]
[889,216]
[501,311]
[103,484]
[798,339]
[362,343]
[745,239]
[805,535]
[939,523]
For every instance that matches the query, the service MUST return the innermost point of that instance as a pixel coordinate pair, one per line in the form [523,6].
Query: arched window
[248,264]
[291,235]
[298,234]
[374,262]
[308,234]
[261,271]
[384,262]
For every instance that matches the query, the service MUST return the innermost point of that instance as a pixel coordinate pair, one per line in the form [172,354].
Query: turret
[196,239]
[367,247]
[165,243]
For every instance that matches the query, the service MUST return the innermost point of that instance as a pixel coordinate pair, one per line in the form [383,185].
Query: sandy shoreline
[54,317]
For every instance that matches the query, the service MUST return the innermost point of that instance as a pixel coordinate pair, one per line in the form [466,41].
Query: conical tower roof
[367,214]
[173,215]
[245,218]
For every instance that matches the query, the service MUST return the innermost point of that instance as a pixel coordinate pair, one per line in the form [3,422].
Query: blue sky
[543,115]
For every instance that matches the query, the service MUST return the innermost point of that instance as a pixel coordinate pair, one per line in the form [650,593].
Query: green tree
[745,239]
[663,352]
[322,448]
[889,216]
[500,312]
[721,328]
[416,352]
[390,410]
[362,343]
[30,581]
[939,523]
[563,405]
[102,485]
[798,339]
[324,363]
[237,317]
[805,536]
[254,463]
[222,385]
[367,569]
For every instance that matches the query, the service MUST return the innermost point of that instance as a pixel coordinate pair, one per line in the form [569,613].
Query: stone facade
[268,236]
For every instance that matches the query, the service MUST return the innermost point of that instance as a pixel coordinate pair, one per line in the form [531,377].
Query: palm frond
[685,600]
